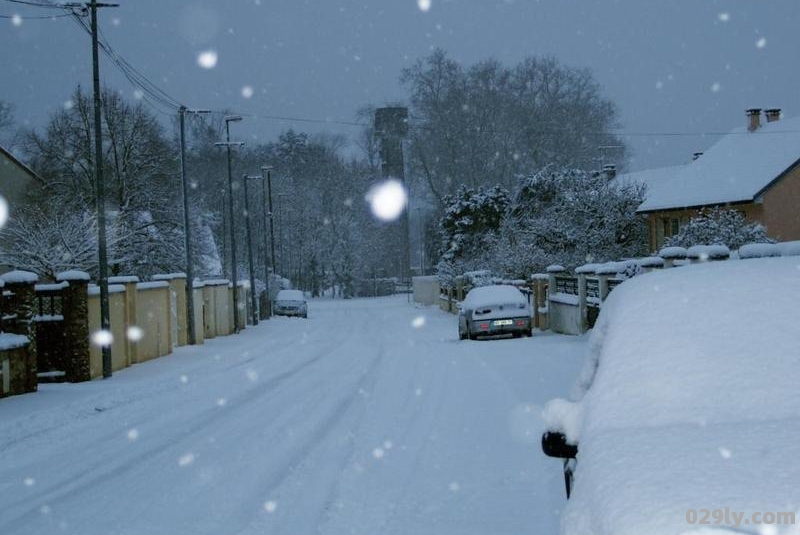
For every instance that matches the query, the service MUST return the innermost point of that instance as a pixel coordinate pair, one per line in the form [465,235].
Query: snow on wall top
[152,285]
[12,341]
[704,252]
[19,277]
[112,289]
[737,168]
[73,275]
[216,282]
[169,276]
[123,279]
[671,253]
[555,268]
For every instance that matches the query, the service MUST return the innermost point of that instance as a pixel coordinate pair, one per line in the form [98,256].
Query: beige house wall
[199,307]
[782,208]
[753,212]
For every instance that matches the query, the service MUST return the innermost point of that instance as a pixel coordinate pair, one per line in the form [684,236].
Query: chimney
[773,114]
[696,155]
[610,171]
[754,115]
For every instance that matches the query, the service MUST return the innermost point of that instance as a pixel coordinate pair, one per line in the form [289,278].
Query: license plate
[503,322]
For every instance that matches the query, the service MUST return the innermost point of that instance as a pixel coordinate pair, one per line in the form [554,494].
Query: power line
[36,4]
[41,17]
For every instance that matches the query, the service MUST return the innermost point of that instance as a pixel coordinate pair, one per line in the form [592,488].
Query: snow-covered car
[494,310]
[290,303]
[687,412]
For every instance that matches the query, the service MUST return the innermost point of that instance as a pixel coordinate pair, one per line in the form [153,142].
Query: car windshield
[399,267]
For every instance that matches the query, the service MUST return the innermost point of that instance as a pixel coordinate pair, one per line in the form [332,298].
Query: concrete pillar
[177,287]
[75,309]
[131,347]
[22,302]
[602,287]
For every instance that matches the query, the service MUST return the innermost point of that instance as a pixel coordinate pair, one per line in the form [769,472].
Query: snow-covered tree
[569,217]
[719,226]
[488,123]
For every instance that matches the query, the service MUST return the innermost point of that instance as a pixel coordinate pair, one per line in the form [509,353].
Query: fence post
[582,302]
[602,287]
[129,282]
[75,309]
[23,303]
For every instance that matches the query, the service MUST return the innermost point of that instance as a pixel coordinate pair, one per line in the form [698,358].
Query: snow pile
[759,250]
[789,248]
[564,417]
[73,275]
[20,277]
[487,296]
[650,262]
[672,253]
[693,401]
[556,268]
[587,269]
[708,252]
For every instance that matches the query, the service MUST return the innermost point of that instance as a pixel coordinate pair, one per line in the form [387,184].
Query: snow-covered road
[359,420]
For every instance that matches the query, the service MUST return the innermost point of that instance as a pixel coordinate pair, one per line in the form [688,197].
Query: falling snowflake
[761,43]
[715,87]
[186,460]
[724,17]
[252,375]
[387,444]
[16,20]
[102,338]
[424,5]
[135,333]
[725,453]
[418,392]
[454,487]
[29,482]
[184,379]
[133,434]
[45,510]
[387,199]
[138,94]
[378,453]
[270,506]
[418,322]
[221,402]
[3,211]
[247,91]
[207,59]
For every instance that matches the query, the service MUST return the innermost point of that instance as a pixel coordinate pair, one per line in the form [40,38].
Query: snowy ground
[357,420]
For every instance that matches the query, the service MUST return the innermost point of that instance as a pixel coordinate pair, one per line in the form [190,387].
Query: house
[17,180]
[754,169]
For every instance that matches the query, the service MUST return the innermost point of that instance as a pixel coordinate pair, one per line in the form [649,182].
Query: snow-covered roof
[738,168]
[650,178]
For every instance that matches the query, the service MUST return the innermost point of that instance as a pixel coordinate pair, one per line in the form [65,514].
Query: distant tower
[391,129]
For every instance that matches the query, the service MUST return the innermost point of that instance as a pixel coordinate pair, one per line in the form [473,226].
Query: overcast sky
[671,66]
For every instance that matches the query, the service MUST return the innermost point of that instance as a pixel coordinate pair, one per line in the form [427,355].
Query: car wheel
[472,336]
[529,333]
[462,335]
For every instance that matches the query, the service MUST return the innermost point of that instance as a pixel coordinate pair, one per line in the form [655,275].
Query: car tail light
[520,322]
[484,326]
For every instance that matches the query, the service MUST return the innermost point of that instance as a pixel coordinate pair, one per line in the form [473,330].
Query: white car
[493,310]
[687,414]
[290,303]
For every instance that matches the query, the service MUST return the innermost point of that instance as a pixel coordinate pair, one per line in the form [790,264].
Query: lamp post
[253,303]
[227,143]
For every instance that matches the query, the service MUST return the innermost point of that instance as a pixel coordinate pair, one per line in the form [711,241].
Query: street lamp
[253,304]
[227,143]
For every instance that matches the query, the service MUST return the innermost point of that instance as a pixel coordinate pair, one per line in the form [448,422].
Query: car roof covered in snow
[688,399]
[499,294]
[290,295]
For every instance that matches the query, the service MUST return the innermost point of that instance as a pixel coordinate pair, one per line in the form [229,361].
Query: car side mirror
[555,444]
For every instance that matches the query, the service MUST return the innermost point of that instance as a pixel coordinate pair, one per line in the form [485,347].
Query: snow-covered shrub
[719,226]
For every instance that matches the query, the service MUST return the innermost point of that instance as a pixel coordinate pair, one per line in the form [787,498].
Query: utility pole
[253,303]
[271,216]
[187,240]
[227,143]
[100,193]
[266,177]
